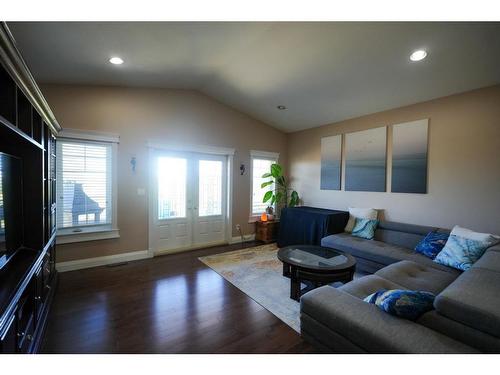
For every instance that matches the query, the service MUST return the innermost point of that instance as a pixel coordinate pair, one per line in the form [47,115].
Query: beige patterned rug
[257,272]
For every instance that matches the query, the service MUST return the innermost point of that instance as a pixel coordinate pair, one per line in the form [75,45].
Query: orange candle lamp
[263,217]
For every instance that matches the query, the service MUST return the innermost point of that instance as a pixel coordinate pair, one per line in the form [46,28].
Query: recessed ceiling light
[116,61]
[281,107]
[418,55]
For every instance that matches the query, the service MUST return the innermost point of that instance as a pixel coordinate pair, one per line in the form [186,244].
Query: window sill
[89,235]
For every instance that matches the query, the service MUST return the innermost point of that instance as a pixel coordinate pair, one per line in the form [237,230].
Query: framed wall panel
[409,157]
[331,157]
[366,160]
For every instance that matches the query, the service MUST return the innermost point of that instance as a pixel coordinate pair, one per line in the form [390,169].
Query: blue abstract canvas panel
[366,160]
[409,157]
[331,156]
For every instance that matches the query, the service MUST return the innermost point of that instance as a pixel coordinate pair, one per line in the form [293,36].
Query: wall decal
[366,160]
[409,157]
[331,157]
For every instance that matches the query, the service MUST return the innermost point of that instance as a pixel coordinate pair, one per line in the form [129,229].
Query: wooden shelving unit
[27,130]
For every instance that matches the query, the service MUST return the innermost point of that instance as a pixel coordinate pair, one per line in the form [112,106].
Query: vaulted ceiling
[322,72]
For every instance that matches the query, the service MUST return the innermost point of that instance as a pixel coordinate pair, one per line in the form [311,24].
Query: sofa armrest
[372,329]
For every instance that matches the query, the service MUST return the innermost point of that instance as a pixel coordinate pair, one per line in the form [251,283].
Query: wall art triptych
[365,157]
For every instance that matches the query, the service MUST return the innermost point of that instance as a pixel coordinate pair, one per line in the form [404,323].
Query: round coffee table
[314,266]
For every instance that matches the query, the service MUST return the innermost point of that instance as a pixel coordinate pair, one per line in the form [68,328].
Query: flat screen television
[11,207]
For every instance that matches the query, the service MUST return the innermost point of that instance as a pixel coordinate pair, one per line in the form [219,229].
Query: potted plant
[280,194]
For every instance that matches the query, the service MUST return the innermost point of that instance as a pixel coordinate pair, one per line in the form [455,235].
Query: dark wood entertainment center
[28,130]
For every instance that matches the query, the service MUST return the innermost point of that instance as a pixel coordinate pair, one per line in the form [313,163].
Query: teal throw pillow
[461,253]
[406,304]
[365,228]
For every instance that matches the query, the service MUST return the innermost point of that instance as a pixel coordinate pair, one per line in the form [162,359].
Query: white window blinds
[84,183]
[259,167]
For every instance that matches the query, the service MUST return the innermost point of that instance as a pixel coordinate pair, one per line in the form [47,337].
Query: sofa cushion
[366,285]
[489,261]
[401,234]
[377,251]
[325,338]
[473,299]
[371,329]
[460,332]
[493,248]
[415,276]
[423,260]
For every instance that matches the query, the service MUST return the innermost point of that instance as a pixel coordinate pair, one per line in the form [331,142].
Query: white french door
[189,195]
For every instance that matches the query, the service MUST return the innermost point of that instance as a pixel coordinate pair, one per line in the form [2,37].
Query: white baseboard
[246,238]
[79,264]
[188,248]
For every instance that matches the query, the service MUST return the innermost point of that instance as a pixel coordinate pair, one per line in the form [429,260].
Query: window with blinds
[259,167]
[84,183]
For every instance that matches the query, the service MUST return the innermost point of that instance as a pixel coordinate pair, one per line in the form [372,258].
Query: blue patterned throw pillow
[461,253]
[432,244]
[406,304]
[365,228]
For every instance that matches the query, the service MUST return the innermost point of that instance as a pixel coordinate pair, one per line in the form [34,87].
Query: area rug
[257,272]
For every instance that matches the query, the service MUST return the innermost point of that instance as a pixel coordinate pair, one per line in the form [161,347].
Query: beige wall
[140,115]
[464,163]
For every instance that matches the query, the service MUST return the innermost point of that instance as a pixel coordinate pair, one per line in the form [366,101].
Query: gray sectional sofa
[466,318]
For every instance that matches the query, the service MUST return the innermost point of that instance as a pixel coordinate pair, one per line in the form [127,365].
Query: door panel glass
[210,188]
[172,175]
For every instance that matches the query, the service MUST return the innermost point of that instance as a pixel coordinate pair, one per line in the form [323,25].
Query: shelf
[7,96]
[16,130]
[24,113]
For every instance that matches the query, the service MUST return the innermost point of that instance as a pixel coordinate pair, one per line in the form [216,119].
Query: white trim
[152,192]
[94,235]
[204,149]
[101,261]
[229,195]
[89,135]
[114,186]
[246,238]
[254,154]
[188,248]
[154,150]
[265,154]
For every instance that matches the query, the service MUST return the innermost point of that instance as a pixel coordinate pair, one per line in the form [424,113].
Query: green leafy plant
[281,193]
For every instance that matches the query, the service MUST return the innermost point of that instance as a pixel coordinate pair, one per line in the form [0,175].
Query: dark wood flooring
[168,304]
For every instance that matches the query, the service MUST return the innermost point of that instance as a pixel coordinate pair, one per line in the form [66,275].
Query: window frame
[100,231]
[261,155]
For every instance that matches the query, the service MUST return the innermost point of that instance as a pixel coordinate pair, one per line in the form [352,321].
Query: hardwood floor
[168,304]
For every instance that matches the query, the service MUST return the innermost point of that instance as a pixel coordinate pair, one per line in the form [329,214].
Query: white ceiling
[322,72]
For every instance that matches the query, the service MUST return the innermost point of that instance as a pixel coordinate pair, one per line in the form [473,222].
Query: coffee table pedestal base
[315,280]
